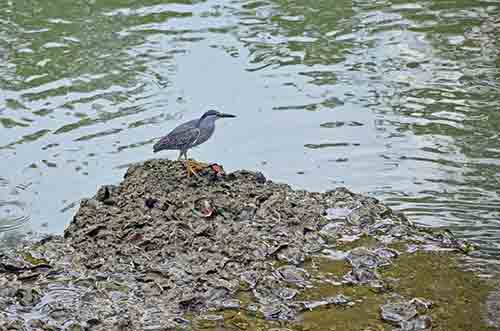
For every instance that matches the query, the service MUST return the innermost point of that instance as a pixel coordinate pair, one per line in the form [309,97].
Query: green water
[398,100]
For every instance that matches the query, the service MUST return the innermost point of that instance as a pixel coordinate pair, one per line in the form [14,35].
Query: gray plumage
[190,134]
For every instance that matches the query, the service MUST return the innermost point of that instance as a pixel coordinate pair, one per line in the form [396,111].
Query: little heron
[189,135]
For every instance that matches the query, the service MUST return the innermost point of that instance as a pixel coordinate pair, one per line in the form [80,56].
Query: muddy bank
[162,251]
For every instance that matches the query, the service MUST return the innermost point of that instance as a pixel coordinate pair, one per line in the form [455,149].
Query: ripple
[58,21]
[50,45]
[265,38]
[329,145]
[134,145]
[9,123]
[59,297]
[339,124]
[99,134]
[23,187]
[171,9]
[27,138]
[327,103]
[56,299]
[70,206]
[13,215]
[102,117]
[150,120]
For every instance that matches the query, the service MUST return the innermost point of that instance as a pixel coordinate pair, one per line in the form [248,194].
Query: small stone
[260,178]
[338,213]
[150,203]
[240,321]
[208,322]
[397,312]
[291,255]
[420,323]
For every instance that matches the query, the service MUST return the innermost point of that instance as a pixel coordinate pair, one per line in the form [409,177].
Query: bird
[189,135]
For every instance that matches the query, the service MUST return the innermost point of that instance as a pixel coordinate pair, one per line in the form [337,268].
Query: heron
[189,135]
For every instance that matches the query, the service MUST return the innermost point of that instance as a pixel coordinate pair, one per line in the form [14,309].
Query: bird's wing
[185,126]
[178,139]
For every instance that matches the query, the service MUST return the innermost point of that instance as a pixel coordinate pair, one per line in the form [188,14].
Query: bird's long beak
[225,115]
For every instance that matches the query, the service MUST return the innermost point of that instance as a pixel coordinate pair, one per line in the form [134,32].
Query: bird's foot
[193,167]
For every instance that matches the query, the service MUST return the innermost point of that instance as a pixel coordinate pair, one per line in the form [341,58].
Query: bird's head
[214,115]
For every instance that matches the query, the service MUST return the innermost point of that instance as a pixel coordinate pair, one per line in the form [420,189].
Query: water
[398,100]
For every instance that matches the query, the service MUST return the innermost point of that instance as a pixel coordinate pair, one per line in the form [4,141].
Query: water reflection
[428,73]
[396,99]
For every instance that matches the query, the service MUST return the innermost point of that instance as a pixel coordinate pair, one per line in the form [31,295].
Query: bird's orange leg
[193,167]
[196,166]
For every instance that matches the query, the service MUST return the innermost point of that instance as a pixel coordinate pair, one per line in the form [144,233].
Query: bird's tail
[157,147]
[163,143]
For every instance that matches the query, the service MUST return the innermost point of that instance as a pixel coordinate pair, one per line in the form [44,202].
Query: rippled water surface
[399,100]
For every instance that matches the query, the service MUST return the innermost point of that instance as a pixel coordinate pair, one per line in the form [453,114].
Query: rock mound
[159,220]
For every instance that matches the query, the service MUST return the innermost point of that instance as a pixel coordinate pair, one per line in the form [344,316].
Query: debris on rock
[337,300]
[408,315]
[337,213]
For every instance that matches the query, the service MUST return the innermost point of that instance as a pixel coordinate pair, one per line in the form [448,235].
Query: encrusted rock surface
[159,247]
